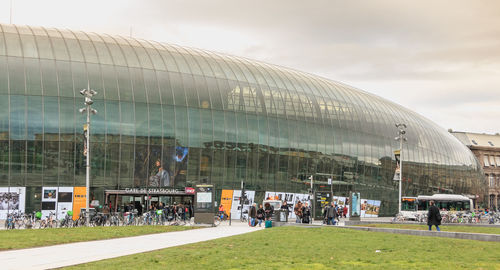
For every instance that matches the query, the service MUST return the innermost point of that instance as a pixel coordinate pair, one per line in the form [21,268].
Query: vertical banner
[226,199]
[356,204]
[236,204]
[64,201]
[397,173]
[12,199]
[49,201]
[364,204]
[79,194]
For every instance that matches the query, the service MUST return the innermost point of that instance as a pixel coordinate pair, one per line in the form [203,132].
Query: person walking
[306,213]
[433,216]
[298,212]
[331,214]
[260,214]
[252,214]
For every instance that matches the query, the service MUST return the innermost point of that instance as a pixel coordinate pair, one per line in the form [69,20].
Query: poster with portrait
[364,203]
[356,204]
[236,205]
[12,199]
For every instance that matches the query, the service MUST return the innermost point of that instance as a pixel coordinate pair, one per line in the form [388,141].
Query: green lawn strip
[16,239]
[466,229]
[315,248]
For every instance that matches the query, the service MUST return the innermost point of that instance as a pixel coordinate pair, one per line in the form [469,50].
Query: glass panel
[16,76]
[64,79]
[13,44]
[29,46]
[17,117]
[50,87]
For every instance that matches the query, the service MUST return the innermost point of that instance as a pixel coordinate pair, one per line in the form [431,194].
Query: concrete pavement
[83,252]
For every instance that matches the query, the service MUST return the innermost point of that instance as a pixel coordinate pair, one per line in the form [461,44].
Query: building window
[497,159]
[492,180]
[492,161]
[486,161]
[491,143]
[474,142]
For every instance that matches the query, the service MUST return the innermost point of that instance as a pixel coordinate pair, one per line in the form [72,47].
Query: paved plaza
[83,252]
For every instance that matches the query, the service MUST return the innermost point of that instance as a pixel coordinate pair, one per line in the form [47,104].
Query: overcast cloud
[438,58]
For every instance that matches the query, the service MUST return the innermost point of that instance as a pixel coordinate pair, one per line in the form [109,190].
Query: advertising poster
[49,201]
[302,197]
[341,202]
[236,207]
[372,208]
[291,198]
[79,194]
[226,199]
[12,199]
[364,203]
[64,201]
[356,204]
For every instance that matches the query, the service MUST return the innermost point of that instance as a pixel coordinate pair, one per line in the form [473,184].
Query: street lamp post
[401,137]
[88,94]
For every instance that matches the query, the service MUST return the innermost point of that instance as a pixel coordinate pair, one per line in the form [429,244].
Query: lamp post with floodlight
[401,137]
[88,94]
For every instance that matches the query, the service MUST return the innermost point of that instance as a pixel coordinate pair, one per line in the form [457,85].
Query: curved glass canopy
[205,116]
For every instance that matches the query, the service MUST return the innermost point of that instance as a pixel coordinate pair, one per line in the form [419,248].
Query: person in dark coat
[306,213]
[253,214]
[260,214]
[269,210]
[433,216]
[331,214]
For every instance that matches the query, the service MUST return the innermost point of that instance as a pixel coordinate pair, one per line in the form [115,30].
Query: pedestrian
[284,211]
[344,211]
[222,212]
[268,210]
[298,212]
[260,214]
[306,213]
[253,214]
[331,214]
[433,216]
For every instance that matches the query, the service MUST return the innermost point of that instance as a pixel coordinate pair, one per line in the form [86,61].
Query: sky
[440,59]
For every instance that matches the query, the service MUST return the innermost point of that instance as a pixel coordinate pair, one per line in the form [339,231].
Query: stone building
[486,147]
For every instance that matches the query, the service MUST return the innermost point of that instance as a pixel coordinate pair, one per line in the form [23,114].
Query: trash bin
[280,217]
[283,215]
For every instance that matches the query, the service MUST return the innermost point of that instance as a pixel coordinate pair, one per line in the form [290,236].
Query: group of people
[258,215]
[302,212]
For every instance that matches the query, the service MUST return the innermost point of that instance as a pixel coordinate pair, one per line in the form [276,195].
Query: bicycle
[179,221]
[49,222]
[67,221]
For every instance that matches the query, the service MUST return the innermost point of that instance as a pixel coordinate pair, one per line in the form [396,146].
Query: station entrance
[142,198]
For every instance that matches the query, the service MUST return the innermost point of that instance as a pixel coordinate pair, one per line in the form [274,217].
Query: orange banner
[79,194]
[226,200]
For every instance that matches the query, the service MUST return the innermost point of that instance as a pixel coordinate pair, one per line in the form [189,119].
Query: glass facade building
[175,116]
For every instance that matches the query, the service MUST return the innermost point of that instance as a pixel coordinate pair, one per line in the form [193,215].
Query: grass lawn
[15,239]
[315,248]
[466,229]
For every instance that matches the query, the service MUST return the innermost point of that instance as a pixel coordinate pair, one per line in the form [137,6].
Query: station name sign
[153,191]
